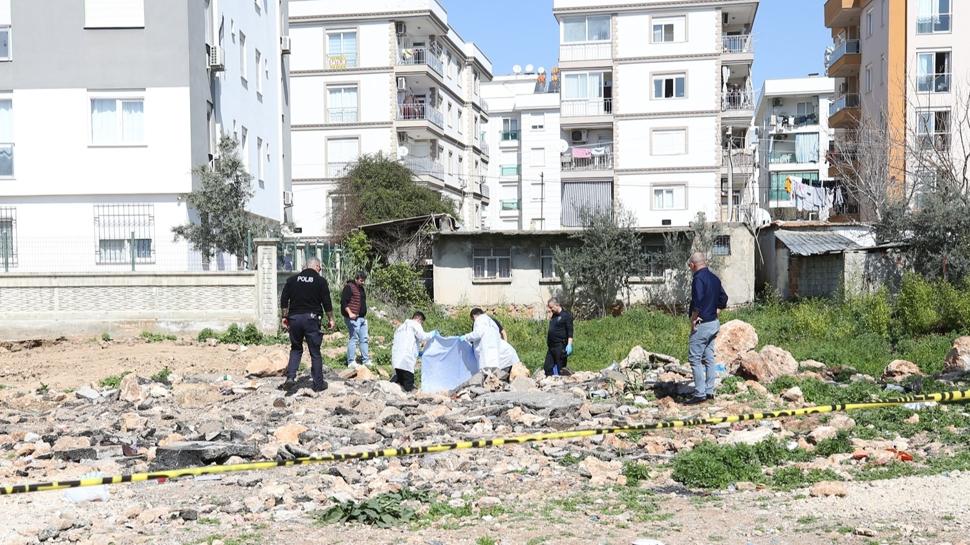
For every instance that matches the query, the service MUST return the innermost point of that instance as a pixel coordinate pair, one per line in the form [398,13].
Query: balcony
[338,170]
[842,13]
[737,45]
[510,135]
[737,101]
[933,83]
[420,112]
[844,111]
[595,157]
[588,51]
[739,159]
[420,56]
[587,108]
[510,171]
[844,60]
[425,167]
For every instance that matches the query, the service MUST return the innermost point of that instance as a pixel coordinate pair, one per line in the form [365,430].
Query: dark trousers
[405,379]
[306,326]
[555,358]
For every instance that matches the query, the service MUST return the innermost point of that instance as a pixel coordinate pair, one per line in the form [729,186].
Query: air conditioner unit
[402,84]
[285,45]
[777,102]
[217,58]
[400,28]
[578,136]
[287,198]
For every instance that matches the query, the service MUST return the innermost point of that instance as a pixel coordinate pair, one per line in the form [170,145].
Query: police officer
[303,296]
[559,340]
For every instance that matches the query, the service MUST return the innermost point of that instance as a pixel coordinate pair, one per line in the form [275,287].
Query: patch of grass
[163,375]
[42,389]
[807,520]
[206,334]
[539,540]
[208,521]
[839,444]
[635,472]
[949,424]
[106,337]
[383,510]
[816,391]
[485,540]
[789,478]
[709,465]
[153,337]
[730,385]
[112,381]
[570,460]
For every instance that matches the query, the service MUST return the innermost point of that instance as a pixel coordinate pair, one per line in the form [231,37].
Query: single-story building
[493,268]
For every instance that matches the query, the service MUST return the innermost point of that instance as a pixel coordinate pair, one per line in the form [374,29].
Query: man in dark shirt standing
[707,298]
[304,297]
[559,341]
[353,307]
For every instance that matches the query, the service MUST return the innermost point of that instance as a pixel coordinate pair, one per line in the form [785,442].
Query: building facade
[106,109]
[524,167]
[389,77]
[666,88]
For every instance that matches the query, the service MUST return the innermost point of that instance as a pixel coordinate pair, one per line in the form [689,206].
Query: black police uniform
[304,295]
[560,331]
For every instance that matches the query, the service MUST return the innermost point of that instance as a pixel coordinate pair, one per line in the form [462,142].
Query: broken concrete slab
[533,399]
[195,453]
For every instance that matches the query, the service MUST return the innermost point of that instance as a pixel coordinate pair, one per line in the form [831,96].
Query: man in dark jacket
[353,307]
[305,297]
[559,341]
[707,298]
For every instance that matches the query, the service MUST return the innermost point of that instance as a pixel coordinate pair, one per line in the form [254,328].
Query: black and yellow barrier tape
[942,397]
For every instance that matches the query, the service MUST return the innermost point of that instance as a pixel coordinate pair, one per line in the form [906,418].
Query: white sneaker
[368,363]
[353,365]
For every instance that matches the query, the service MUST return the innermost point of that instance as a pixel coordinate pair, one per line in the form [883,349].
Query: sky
[790,37]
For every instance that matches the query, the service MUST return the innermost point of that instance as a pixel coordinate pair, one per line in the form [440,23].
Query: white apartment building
[662,85]
[106,109]
[793,143]
[524,167]
[390,77]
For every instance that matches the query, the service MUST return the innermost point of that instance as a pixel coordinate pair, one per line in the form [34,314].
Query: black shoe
[695,401]
[565,372]
[288,385]
[710,397]
[321,387]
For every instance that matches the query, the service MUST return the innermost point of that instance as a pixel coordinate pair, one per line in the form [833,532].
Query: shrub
[401,285]
[106,337]
[835,445]
[954,304]
[163,375]
[112,381]
[233,335]
[711,466]
[916,306]
[384,510]
[206,334]
[156,337]
[788,478]
[635,472]
[872,312]
[251,335]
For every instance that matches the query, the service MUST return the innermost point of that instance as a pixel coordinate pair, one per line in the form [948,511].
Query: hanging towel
[788,188]
[582,153]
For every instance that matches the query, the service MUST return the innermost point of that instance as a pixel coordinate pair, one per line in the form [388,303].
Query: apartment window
[509,170]
[117,121]
[124,232]
[460,73]
[341,154]
[6,52]
[342,104]
[451,115]
[586,29]
[722,245]
[669,29]
[654,258]
[547,263]
[477,80]
[244,147]
[806,113]
[448,64]
[114,14]
[342,49]
[538,156]
[869,24]
[933,16]
[868,78]
[668,141]
[259,79]
[243,60]
[260,164]
[461,122]
[669,198]
[933,129]
[6,138]
[451,162]
[510,129]
[669,86]
[510,204]
[8,238]
[538,121]
[776,189]
[338,204]
[933,72]
[492,263]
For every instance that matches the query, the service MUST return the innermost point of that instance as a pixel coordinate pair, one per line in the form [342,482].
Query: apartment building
[666,88]
[390,77]
[793,140]
[524,167]
[898,64]
[106,108]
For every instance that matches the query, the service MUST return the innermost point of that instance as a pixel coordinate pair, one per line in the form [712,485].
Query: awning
[806,243]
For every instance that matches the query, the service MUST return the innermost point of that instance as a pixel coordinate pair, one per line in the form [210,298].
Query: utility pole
[542,200]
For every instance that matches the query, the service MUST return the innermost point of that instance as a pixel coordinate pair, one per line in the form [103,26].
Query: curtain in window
[574,30]
[806,148]
[133,121]
[576,86]
[104,123]
[599,29]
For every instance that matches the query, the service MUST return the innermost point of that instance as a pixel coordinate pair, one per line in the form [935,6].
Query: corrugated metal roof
[806,243]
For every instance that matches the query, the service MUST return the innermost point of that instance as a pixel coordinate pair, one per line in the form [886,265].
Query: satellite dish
[542,70]
[761,217]
[403,151]
[563,146]
[529,69]
[517,69]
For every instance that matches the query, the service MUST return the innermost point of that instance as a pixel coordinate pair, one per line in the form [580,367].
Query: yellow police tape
[942,397]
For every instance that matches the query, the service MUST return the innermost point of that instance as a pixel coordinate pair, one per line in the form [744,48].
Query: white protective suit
[404,350]
[507,356]
[486,340]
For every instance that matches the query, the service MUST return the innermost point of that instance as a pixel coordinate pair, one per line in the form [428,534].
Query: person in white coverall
[486,339]
[507,356]
[405,349]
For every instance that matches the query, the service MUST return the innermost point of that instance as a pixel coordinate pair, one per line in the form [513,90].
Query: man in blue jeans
[353,307]
[707,298]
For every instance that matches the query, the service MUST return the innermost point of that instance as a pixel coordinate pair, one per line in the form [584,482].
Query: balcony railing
[420,112]
[591,107]
[6,160]
[845,101]
[342,61]
[342,115]
[586,51]
[841,49]
[933,83]
[483,145]
[421,55]
[935,23]
[788,157]
[739,160]
[510,136]
[510,204]
[425,166]
[585,158]
[737,101]
[737,44]
[337,170]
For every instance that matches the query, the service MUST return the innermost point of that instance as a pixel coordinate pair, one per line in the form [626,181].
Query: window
[510,129]
[669,86]
[125,233]
[260,165]
[342,104]
[243,60]
[653,261]
[114,14]
[933,16]
[868,78]
[510,204]
[6,53]
[547,263]
[538,122]
[8,238]
[586,29]
[244,147]
[461,122]
[933,72]
[451,115]
[722,245]
[668,141]
[338,203]
[259,79]
[806,113]
[776,191]
[117,121]
[448,64]
[933,129]
[538,157]
[492,263]
[509,170]
[460,72]
[6,138]
[669,198]
[451,162]
[342,49]
[869,24]
[669,29]
[341,154]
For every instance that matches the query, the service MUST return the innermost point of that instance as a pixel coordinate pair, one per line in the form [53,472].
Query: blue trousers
[701,357]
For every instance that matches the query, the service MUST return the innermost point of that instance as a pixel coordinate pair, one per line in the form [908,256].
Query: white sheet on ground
[446,364]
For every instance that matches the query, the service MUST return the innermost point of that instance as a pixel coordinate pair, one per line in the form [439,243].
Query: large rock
[829,488]
[533,399]
[131,390]
[266,366]
[602,473]
[195,396]
[768,365]
[290,433]
[734,339]
[958,360]
[749,436]
[519,371]
[197,453]
[898,370]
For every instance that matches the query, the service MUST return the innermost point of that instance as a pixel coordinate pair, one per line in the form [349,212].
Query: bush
[711,466]
[954,304]
[112,381]
[233,335]
[873,312]
[384,510]
[163,375]
[916,306]
[635,472]
[206,334]
[401,285]
[156,337]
